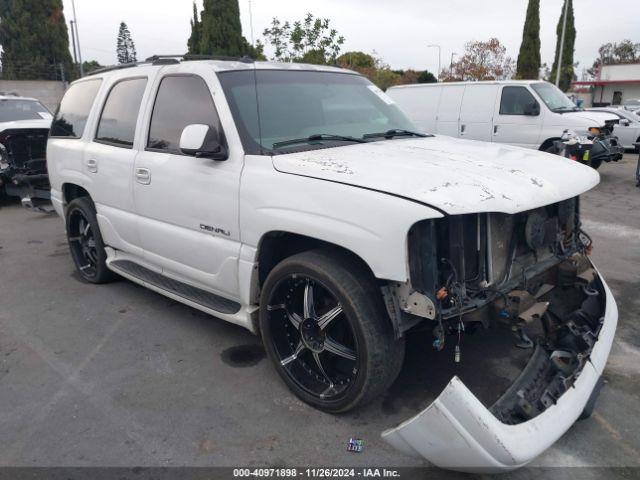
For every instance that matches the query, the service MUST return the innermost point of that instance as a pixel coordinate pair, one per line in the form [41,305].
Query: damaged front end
[530,271]
[23,167]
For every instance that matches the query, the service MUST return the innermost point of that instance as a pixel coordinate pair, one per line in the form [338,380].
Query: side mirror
[532,109]
[625,122]
[202,141]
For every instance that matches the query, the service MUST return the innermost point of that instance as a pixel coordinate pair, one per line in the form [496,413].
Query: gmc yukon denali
[299,202]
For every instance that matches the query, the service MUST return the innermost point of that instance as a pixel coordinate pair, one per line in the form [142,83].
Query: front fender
[371,224]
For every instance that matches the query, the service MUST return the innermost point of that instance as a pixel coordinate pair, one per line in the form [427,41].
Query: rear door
[449,110]
[518,118]
[420,103]
[109,160]
[476,112]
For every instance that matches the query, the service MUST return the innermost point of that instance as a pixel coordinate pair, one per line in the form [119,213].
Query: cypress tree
[221,32]
[34,40]
[566,62]
[529,57]
[193,44]
[125,49]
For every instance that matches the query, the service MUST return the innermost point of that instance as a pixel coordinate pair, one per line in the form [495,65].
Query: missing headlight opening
[529,271]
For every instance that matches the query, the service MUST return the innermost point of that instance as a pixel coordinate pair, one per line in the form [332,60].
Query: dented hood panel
[456,176]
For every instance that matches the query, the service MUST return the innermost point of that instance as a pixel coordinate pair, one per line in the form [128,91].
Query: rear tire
[350,360]
[85,242]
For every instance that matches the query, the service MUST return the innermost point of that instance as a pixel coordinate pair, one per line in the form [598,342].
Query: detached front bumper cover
[457,432]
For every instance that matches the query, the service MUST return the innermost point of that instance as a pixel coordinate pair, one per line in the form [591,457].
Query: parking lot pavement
[117,375]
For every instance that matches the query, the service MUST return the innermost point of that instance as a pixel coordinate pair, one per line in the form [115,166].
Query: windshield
[553,97]
[12,110]
[279,111]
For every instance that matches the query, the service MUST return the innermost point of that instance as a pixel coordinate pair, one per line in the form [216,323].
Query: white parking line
[613,230]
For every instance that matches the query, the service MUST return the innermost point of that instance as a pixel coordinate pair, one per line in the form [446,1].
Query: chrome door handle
[143,176]
[92,165]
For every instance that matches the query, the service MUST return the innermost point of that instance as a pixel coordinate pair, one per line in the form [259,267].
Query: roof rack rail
[171,60]
[194,56]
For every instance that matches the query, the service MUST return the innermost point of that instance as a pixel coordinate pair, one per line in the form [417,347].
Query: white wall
[630,71]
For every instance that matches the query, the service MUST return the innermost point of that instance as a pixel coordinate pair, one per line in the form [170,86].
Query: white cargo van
[524,113]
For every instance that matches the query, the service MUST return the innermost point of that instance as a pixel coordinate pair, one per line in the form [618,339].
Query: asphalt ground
[117,375]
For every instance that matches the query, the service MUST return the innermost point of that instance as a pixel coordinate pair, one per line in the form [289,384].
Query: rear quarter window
[72,115]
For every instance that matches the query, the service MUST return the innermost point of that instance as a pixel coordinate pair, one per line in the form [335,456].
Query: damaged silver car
[24,128]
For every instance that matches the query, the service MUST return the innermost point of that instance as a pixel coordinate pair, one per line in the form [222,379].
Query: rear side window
[516,101]
[117,124]
[74,109]
[181,101]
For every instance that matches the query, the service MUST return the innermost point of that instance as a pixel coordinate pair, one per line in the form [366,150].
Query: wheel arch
[548,143]
[276,245]
[71,191]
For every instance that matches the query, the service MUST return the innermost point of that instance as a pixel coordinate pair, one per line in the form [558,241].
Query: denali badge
[219,231]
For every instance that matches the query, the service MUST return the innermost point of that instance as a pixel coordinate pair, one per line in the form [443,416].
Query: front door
[518,118]
[187,206]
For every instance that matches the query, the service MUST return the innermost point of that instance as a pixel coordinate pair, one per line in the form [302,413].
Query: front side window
[71,117]
[516,101]
[16,110]
[273,107]
[120,113]
[553,98]
[181,101]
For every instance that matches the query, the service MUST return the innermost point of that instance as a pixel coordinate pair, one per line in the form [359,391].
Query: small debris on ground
[355,445]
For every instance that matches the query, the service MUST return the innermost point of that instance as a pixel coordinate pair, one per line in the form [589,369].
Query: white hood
[456,176]
[597,119]
[39,123]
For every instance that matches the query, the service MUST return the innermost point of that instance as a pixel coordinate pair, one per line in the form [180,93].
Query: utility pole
[73,42]
[453,54]
[439,58]
[251,23]
[75,24]
[564,28]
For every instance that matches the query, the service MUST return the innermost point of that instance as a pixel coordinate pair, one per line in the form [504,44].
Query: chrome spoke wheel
[312,337]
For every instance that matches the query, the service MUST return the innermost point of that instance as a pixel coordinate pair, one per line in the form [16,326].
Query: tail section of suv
[299,202]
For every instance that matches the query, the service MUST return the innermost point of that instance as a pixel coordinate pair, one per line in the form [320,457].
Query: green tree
[221,29]
[427,77]
[34,40]
[356,60]
[528,66]
[566,62]
[126,49]
[90,66]
[193,44]
[308,41]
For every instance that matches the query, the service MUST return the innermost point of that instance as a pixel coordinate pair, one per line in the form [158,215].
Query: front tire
[326,329]
[85,241]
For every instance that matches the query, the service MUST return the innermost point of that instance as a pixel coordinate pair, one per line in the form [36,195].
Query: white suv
[298,201]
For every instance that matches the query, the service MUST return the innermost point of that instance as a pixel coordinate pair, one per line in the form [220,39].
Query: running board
[193,294]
